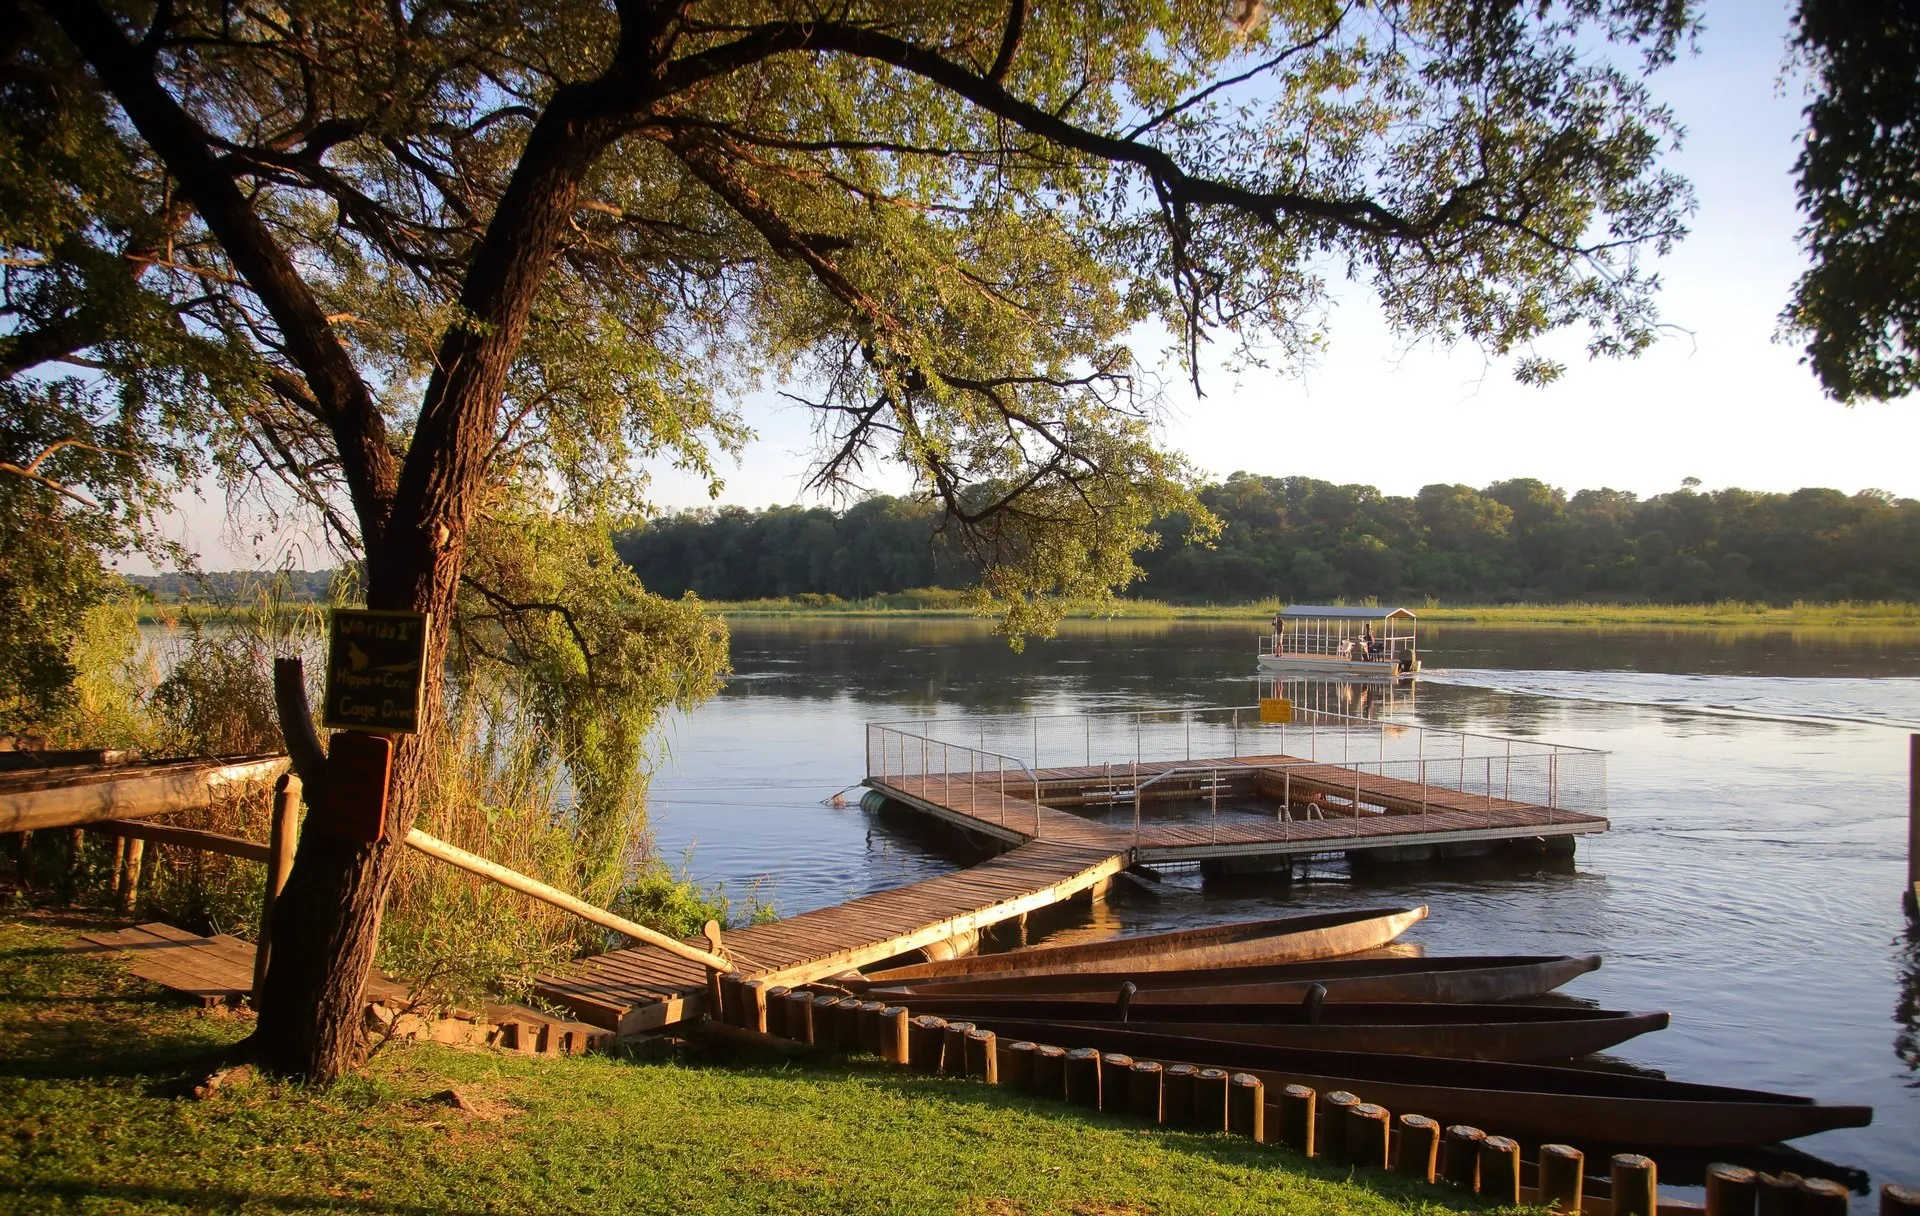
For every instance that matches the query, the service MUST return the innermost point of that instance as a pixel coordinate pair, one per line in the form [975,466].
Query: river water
[1750,882]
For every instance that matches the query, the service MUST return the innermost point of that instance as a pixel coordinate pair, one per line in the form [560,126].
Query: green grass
[90,1060]
[1844,615]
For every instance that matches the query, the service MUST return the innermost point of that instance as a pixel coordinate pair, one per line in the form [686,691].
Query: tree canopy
[1858,307]
[452,257]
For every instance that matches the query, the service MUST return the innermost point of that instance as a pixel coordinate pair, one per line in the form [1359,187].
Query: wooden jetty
[644,988]
[1352,811]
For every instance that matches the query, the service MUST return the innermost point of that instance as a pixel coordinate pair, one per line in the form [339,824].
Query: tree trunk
[326,923]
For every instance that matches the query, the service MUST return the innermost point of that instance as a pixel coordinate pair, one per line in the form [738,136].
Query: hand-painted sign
[375,669]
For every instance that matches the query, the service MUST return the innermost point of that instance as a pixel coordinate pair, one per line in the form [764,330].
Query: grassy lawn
[91,1120]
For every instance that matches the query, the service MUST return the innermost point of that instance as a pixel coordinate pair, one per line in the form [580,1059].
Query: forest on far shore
[1307,540]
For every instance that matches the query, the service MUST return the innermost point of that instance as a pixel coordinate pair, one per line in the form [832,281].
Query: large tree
[468,244]
[1858,306]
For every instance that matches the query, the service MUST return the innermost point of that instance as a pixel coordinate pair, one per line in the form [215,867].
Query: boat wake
[1892,701]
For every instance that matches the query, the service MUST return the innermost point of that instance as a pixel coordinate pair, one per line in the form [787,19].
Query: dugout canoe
[1460,1032]
[1464,979]
[1534,1102]
[1289,939]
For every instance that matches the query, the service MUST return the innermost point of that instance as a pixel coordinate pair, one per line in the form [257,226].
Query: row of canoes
[1451,1038]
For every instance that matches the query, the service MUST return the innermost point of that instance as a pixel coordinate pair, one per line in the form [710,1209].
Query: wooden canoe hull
[1526,1101]
[1289,939]
[1479,980]
[1510,1039]
[75,796]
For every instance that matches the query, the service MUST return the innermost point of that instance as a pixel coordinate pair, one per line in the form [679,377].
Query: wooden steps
[217,972]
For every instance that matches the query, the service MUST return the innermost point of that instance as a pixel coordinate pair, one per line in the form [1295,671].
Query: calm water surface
[1750,884]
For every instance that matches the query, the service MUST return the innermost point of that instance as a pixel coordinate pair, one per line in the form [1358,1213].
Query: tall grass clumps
[541,758]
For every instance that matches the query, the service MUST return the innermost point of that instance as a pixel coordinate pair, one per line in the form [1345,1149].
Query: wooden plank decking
[644,988]
[1392,812]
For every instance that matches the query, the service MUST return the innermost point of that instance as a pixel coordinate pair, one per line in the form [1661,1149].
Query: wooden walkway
[1389,813]
[645,988]
[217,972]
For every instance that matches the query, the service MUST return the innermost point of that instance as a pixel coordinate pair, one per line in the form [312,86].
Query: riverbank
[1730,614]
[89,1116]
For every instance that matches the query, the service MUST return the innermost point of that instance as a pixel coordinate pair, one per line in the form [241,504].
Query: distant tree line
[1307,540]
[235,586]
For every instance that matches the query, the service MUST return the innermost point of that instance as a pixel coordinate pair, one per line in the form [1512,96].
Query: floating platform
[1351,811]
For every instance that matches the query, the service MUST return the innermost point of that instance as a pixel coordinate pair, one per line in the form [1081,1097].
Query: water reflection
[1906,1011]
[1747,854]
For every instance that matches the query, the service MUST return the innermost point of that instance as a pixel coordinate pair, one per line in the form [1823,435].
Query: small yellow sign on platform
[1276,709]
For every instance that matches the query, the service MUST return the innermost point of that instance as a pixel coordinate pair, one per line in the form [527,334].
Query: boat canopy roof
[1321,612]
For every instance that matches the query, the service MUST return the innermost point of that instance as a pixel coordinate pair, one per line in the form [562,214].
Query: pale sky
[1722,402]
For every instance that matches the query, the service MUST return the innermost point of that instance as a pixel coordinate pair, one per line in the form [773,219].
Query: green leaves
[1858,308]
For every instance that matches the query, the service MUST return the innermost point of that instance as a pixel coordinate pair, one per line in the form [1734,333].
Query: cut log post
[1016,1065]
[130,877]
[1144,1090]
[119,864]
[846,1023]
[895,1046]
[1050,1071]
[953,1048]
[1116,1073]
[1899,1200]
[1460,1156]
[800,1016]
[1822,1197]
[1247,1106]
[1176,1101]
[1083,1077]
[1500,1171]
[776,998]
[1731,1190]
[1334,1107]
[76,861]
[753,1006]
[24,859]
[1562,1176]
[1636,1185]
[730,998]
[983,1055]
[1778,1194]
[924,1035]
[1419,1153]
[1368,1141]
[283,836]
[1210,1099]
[871,1039]
[826,1027]
[1296,1118]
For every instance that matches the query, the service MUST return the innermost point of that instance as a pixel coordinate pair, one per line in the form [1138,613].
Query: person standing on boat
[1367,638]
[1279,634]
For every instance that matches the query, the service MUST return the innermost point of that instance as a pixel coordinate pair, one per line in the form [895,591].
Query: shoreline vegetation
[96,1118]
[940,603]
[1731,614]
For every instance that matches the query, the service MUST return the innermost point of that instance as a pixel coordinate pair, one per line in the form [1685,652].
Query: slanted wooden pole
[130,876]
[1368,1124]
[1913,826]
[1460,1162]
[1500,1172]
[281,838]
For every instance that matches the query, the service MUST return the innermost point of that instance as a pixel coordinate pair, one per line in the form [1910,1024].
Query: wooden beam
[191,838]
[50,799]
[513,880]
